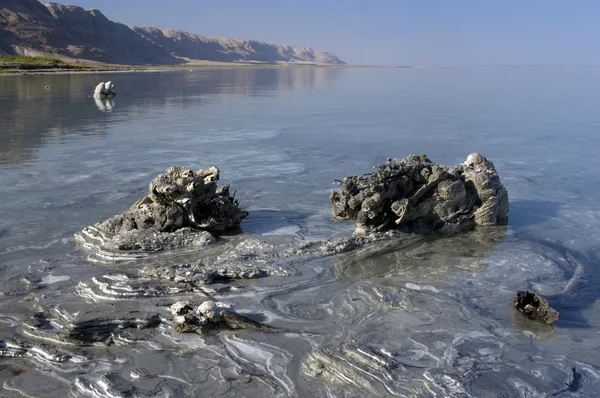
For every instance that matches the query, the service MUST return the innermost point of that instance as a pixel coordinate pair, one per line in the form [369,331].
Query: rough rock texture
[183,208]
[416,195]
[528,302]
[210,316]
[28,27]
[196,47]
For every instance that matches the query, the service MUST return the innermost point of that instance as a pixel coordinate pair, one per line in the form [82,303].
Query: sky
[389,32]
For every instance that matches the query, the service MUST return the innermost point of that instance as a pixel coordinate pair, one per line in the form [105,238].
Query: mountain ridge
[224,49]
[29,27]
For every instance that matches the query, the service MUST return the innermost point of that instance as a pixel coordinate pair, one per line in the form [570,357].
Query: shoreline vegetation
[16,65]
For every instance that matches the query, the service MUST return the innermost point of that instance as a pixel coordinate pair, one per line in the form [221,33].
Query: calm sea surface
[439,307]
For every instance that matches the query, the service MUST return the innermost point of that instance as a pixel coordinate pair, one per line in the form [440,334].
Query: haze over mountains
[28,27]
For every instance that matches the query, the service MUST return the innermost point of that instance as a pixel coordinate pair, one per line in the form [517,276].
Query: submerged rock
[201,273]
[363,370]
[414,194]
[8,350]
[90,324]
[183,208]
[533,306]
[210,316]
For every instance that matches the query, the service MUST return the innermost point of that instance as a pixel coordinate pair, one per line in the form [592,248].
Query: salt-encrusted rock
[181,308]
[210,316]
[105,90]
[183,208]
[414,194]
[210,310]
[533,306]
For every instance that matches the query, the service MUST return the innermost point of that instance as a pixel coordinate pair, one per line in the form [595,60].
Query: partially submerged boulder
[210,316]
[182,208]
[535,307]
[105,90]
[414,194]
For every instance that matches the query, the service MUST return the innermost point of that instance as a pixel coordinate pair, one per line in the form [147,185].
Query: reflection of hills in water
[29,113]
[421,257]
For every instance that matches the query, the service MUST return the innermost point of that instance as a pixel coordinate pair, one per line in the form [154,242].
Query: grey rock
[535,307]
[182,209]
[414,194]
[210,310]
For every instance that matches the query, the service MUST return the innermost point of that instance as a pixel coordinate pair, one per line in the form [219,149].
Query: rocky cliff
[28,27]
[196,47]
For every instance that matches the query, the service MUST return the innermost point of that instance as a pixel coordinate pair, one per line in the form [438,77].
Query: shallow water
[413,316]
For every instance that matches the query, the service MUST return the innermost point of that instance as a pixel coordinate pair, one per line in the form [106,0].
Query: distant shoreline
[42,70]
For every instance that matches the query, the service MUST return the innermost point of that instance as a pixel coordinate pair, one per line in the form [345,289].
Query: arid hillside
[28,27]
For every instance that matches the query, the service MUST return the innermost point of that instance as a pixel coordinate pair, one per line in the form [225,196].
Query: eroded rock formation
[182,208]
[529,303]
[416,195]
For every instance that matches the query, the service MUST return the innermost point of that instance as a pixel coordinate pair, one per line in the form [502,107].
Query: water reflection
[538,330]
[104,104]
[421,258]
[29,111]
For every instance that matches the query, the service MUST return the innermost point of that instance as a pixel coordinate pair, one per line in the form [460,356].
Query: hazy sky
[411,32]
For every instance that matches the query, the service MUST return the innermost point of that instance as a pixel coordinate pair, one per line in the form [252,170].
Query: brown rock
[533,306]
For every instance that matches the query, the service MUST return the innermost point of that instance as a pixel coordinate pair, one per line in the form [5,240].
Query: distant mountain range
[28,27]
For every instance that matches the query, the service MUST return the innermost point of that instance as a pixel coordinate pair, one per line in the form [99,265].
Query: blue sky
[391,32]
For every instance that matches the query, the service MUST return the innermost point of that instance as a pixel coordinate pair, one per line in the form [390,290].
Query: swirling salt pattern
[439,307]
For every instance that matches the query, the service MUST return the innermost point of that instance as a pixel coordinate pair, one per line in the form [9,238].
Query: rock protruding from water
[183,208]
[535,307]
[210,316]
[105,90]
[414,194]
